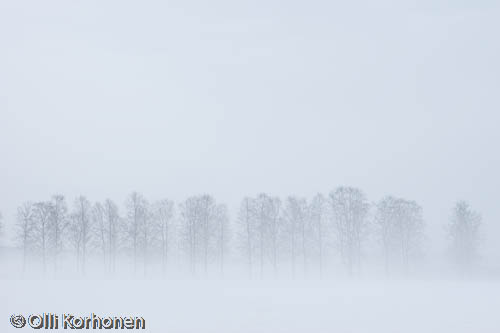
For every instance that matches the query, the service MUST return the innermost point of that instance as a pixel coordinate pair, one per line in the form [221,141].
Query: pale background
[174,98]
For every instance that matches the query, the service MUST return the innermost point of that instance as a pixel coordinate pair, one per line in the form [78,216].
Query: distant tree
[81,228]
[136,218]
[400,227]
[222,234]
[99,227]
[190,226]
[349,209]
[207,213]
[463,231]
[41,214]
[275,229]
[410,231]
[58,223]
[385,220]
[24,228]
[163,215]
[199,216]
[296,218]
[317,215]
[149,236]
[261,206]
[112,225]
[267,210]
[247,238]
[259,231]
[75,237]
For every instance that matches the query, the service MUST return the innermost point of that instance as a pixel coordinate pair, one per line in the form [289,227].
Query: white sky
[173,98]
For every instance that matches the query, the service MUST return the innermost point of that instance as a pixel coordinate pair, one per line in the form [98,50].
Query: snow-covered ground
[266,306]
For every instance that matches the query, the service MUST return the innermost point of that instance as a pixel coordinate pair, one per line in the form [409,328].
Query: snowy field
[276,306]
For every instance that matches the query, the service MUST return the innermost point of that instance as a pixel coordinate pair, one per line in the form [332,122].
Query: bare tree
[75,237]
[222,236]
[58,223]
[81,229]
[410,230]
[258,229]
[295,217]
[317,215]
[41,214]
[106,231]
[247,231]
[275,230]
[385,220]
[349,209]
[190,222]
[400,228]
[24,228]
[111,222]
[207,215]
[261,207]
[148,235]
[136,216]
[199,229]
[100,231]
[163,214]
[463,231]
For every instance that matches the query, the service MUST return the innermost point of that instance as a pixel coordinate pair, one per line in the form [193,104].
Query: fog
[394,102]
[272,307]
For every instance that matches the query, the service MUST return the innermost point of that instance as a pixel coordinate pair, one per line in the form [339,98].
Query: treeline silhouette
[268,236]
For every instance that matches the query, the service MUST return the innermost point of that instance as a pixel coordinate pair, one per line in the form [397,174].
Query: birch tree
[112,225]
[41,214]
[400,228]
[163,212]
[148,235]
[463,230]
[58,224]
[262,206]
[100,231]
[82,230]
[349,209]
[190,222]
[246,232]
[222,234]
[24,228]
[275,230]
[136,216]
[75,238]
[385,220]
[410,231]
[295,216]
[259,231]
[199,229]
[106,229]
[207,211]
[317,215]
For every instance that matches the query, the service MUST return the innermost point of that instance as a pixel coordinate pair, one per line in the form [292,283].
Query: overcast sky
[174,98]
